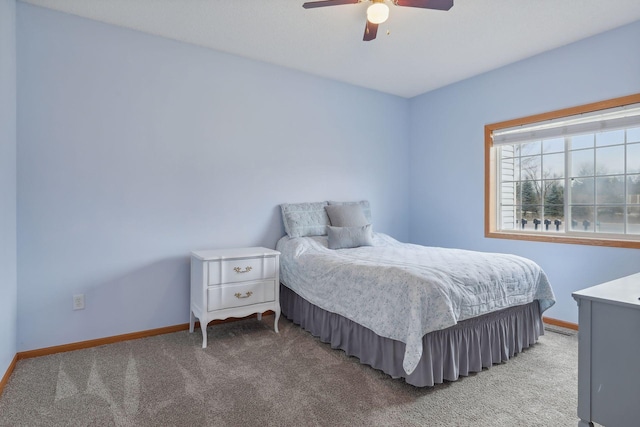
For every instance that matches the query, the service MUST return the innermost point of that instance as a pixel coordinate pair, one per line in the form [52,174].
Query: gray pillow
[346,215]
[366,208]
[305,219]
[349,237]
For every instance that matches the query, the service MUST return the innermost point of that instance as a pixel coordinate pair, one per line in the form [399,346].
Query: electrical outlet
[78,302]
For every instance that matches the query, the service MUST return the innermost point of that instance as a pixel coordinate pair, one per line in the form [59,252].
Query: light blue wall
[134,150]
[8,274]
[447,153]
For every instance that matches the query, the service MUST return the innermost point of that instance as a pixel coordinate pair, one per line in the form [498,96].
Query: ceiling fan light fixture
[377,13]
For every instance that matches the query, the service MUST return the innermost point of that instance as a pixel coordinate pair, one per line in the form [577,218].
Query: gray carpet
[250,375]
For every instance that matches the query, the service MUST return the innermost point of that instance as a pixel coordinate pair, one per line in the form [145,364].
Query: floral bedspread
[404,291]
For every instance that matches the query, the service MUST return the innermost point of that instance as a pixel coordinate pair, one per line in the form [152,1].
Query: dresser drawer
[241,270]
[228,296]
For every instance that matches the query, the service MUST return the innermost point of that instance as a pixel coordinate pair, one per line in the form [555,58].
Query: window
[569,176]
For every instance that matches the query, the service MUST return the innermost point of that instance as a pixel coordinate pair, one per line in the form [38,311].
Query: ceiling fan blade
[370,31]
[426,4]
[323,3]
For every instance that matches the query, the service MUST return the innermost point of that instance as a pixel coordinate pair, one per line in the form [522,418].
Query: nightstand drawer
[241,270]
[228,296]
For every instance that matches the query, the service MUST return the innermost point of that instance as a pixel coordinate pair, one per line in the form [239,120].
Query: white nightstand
[233,283]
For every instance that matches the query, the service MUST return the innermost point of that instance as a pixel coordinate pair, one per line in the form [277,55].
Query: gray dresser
[609,353]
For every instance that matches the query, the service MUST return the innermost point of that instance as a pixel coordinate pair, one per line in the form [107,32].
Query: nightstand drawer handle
[239,295]
[240,270]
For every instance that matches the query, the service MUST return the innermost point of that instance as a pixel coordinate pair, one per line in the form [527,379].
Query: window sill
[567,239]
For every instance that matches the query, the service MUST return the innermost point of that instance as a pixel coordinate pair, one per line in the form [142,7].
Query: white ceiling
[424,50]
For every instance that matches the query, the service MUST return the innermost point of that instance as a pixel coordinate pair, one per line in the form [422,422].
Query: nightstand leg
[259,316]
[583,423]
[192,321]
[275,322]
[203,328]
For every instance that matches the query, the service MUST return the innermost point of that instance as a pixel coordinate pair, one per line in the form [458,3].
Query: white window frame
[605,115]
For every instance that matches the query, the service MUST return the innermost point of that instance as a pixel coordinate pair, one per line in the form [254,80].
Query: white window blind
[603,120]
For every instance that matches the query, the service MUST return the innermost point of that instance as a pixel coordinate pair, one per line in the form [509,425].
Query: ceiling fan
[378,11]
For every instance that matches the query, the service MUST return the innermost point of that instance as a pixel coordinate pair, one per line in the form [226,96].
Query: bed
[420,313]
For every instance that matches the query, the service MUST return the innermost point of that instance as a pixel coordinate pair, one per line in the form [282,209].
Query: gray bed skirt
[466,347]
